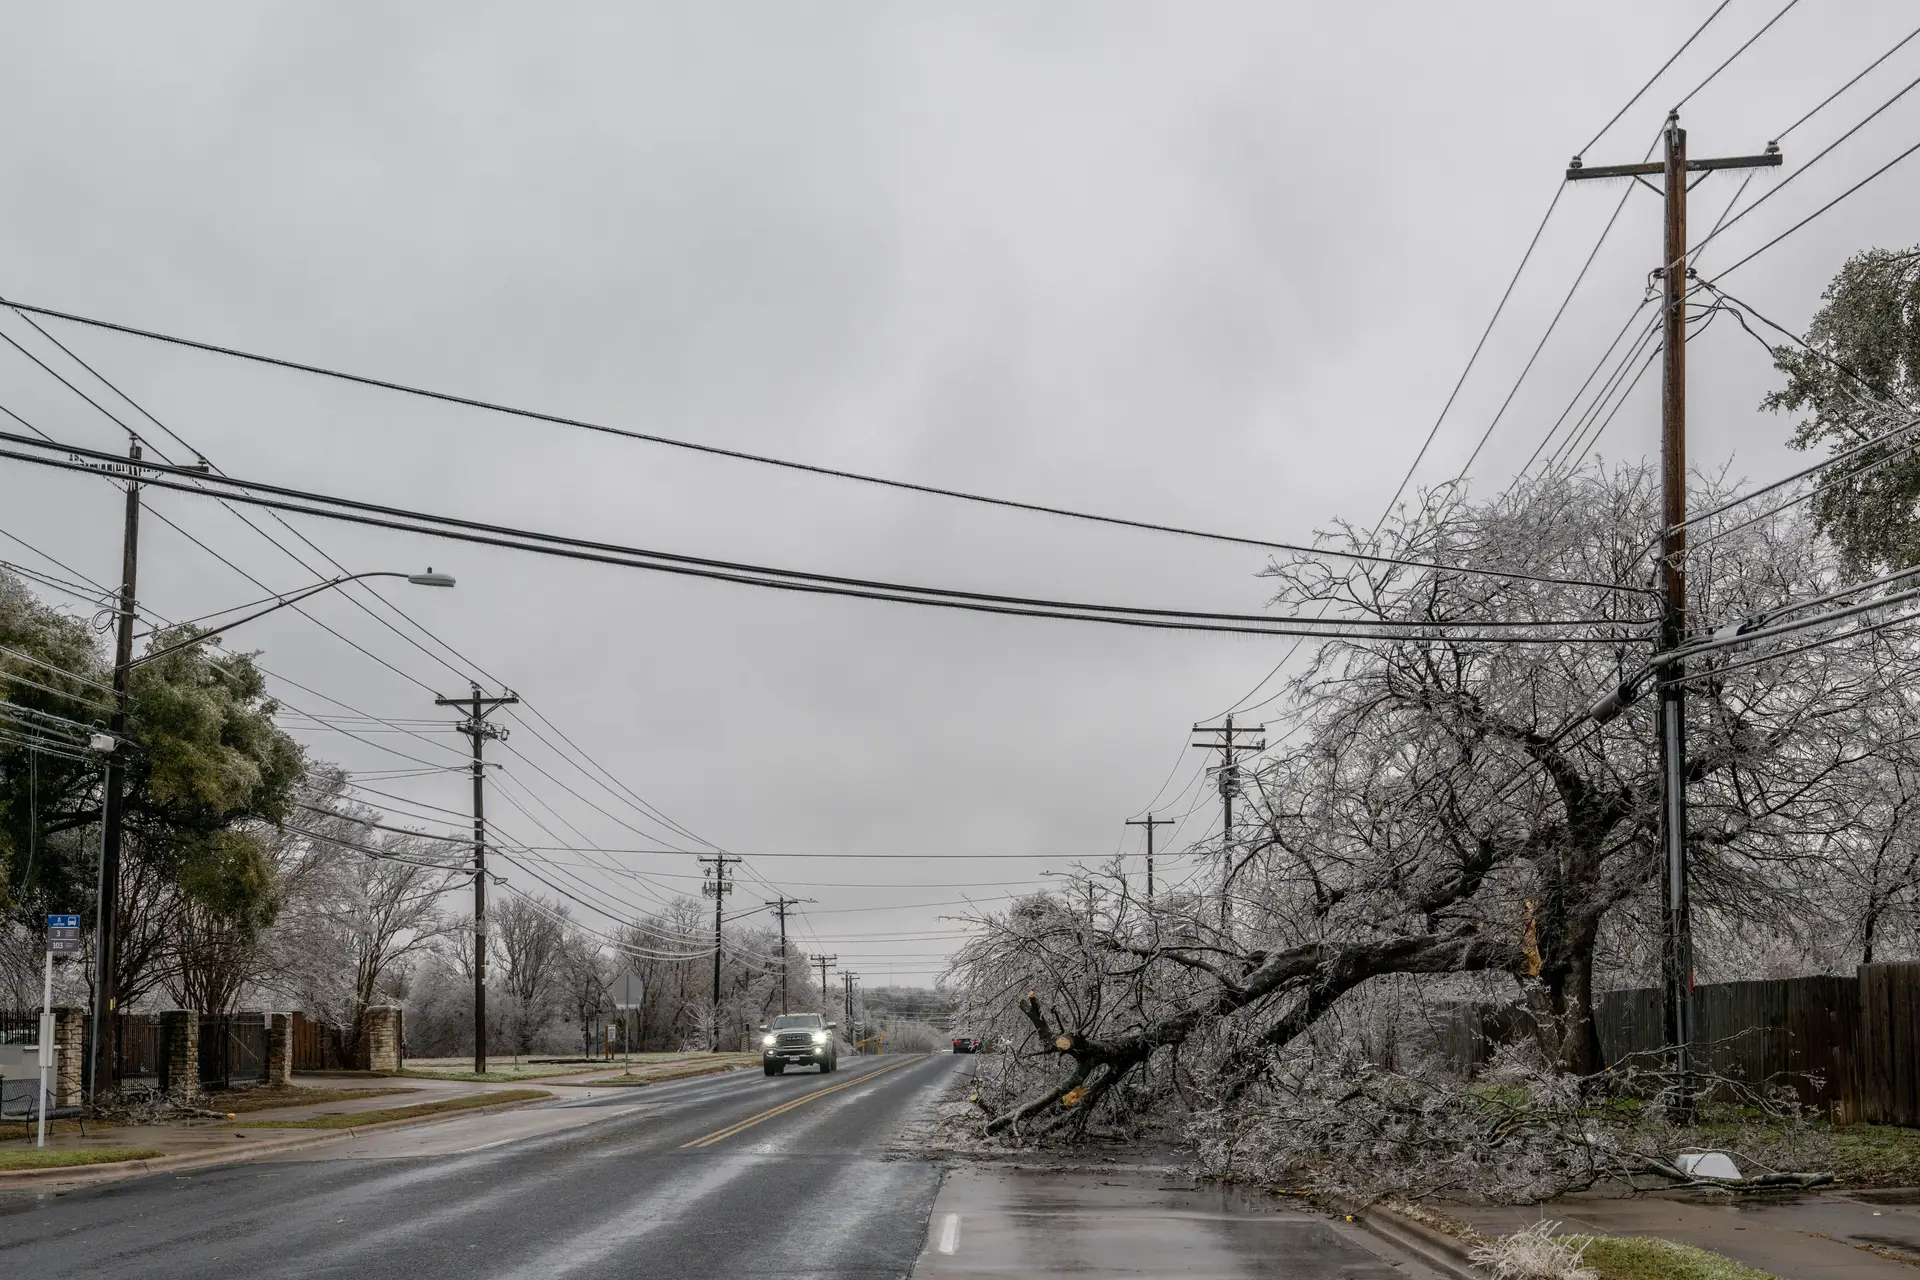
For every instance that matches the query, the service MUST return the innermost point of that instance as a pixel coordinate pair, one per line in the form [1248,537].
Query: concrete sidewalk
[997,1224]
[1854,1235]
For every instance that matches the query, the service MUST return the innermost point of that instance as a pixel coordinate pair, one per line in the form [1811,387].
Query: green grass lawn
[62,1157]
[355,1119]
[1645,1258]
[1875,1155]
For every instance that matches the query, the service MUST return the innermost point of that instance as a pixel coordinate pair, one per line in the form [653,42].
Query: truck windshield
[789,1020]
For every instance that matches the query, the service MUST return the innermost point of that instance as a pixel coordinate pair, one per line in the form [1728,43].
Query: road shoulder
[991,1221]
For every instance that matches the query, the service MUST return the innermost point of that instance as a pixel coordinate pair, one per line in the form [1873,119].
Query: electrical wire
[1641,92]
[1768,26]
[961,495]
[1781,136]
[1820,155]
[1729,270]
[1552,324]
[348,590]
[450,528]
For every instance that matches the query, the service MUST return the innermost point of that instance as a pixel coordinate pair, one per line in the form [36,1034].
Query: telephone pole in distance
[847,976]
[780,906]
[1149,822]
[823,962]
[718,886]
[1677,948]
[1229,774]
[478,729]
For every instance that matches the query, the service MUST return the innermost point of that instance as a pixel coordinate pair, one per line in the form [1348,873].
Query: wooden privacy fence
[1848,1045]
[1793,1031]
[1887,1077]
[320,1047]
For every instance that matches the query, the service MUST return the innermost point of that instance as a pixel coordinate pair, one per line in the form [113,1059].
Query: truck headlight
[819,1037]
[766,1041]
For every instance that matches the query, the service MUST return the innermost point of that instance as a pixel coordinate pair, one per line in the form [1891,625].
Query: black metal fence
[136,1047]
[19,1026]
[233,1050]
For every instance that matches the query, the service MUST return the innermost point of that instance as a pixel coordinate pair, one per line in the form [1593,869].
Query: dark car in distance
[799,1040]
[966,1044]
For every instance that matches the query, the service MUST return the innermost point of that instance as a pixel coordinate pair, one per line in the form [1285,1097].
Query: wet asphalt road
[721,1177]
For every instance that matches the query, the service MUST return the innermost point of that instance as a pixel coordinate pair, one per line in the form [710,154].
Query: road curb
[1436,1248]
[87,1175]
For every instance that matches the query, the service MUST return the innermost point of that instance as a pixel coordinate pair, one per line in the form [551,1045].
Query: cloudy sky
[1210,264]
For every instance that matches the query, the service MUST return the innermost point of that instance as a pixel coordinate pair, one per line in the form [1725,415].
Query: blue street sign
[63,935]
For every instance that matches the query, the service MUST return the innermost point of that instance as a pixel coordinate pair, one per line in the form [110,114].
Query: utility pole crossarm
[1150,822]
[1578,172]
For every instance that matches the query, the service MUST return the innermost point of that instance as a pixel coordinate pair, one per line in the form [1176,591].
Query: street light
[427,579]
[107,880]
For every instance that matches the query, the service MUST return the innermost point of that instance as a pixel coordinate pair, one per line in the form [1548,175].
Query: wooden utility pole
[780,906]
[718,886]
[1677,943]
[106,925]
[478,729]
[1149,822]
[847,976]
[823,962]
[1229,781]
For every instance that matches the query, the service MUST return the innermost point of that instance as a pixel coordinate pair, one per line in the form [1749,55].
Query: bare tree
[361,903]
[529,937]
[587,976]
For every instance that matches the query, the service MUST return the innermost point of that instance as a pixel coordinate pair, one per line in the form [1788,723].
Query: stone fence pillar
[69,1073]
[380,1037]
[279,1050]
[180,1052]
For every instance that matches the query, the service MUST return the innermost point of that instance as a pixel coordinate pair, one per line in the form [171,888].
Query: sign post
[629,993]
[63,940]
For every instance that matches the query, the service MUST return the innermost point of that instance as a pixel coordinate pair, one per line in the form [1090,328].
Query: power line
[1781,136]
[1641,92]
[1552,324]
[453,529]
[1768,26]
[738,455]
[1727,271]
[349,589]
[1785,182]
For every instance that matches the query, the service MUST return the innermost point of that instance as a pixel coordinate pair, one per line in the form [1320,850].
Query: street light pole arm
[295,598]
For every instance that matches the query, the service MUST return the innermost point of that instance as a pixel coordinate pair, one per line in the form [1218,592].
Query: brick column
[69,1073]
[180,1052]
[279,1050]
[380,1037]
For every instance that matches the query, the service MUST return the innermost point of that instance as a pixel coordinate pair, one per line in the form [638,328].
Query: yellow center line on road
[771,1112]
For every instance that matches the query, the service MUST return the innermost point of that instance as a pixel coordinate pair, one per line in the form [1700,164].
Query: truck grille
[793,1040]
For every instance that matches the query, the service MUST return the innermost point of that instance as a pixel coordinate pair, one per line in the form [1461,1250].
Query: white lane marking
[950,1233]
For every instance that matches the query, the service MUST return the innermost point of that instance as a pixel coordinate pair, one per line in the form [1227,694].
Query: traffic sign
[628,991]
[63,935]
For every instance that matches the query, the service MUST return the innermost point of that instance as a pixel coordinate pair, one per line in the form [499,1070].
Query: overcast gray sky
[1213,264]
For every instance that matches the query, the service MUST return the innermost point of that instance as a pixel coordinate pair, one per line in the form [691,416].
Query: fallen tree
[1446,807]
